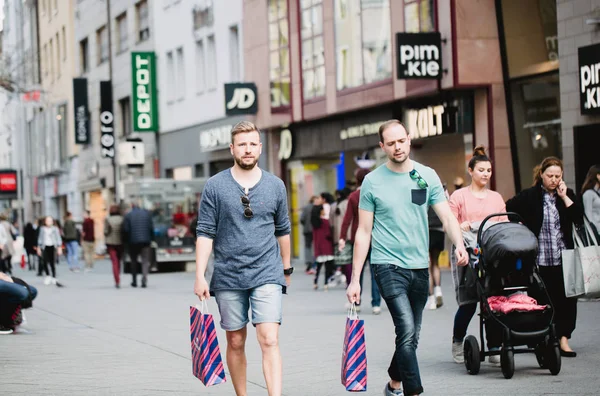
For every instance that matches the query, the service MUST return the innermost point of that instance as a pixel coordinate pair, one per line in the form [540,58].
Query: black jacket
[529,203]
[137,227]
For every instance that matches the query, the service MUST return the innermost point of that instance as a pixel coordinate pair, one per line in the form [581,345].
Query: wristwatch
[288,271]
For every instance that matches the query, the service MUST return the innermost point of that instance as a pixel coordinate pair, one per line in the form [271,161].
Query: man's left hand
[462,257]
[288,280]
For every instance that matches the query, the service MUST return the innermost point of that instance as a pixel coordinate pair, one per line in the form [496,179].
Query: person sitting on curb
[15,295]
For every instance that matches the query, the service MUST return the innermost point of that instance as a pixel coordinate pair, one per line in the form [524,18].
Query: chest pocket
[418,196]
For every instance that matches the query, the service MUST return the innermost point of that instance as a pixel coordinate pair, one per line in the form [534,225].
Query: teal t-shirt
[400,227]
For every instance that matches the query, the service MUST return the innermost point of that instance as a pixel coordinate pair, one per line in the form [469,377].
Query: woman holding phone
[549,209]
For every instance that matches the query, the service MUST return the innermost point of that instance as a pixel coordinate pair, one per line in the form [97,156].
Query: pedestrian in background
[50,246]
[309,257]
[549,209]
[590,192]
[114,243]
[471,205]
[244,216]
[41,267]
[322,240]
[87,235]
[70,236]
[29,244]
[437,238]
[138,232]
[350,224]
[394,199]
[8,249]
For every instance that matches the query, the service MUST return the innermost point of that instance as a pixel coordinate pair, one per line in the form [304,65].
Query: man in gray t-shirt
[243,215]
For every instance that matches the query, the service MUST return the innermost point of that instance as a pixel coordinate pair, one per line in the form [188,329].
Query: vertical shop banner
[107,136]
[589,79]
[145,100]
[419,55]
[81,111]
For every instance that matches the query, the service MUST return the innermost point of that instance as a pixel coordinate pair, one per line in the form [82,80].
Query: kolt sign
[145,101]
[419,55]
[589,79]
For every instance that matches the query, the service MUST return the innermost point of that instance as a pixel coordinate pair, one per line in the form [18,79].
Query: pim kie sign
[8,182]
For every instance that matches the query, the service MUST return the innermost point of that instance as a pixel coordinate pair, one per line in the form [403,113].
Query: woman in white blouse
[49,245]
[591,196]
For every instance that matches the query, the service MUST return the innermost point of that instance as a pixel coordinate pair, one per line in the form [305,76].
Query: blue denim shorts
[264,300]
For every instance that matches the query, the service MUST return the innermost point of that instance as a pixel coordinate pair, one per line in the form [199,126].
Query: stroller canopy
[508,241]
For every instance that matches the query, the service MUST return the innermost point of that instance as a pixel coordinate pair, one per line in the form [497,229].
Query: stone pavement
[89,338]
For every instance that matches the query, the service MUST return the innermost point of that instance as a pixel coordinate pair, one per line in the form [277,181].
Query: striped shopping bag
[354,355]
[207,365]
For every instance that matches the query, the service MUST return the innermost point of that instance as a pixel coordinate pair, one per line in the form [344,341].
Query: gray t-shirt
[246,250]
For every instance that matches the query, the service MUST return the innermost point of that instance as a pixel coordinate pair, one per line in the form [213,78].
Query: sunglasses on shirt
[414,174]
[247,209]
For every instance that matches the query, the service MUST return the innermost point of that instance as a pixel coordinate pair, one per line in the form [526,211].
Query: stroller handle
[513,214]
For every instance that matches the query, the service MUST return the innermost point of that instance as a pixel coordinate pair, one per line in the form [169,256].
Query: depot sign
[589,79]
[145,99]
[419,55]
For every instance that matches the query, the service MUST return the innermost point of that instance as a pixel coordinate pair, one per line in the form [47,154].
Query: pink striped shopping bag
[354,355]
[207,365]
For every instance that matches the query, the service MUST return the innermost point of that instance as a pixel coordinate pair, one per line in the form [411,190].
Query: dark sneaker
[5,330]
[392,392]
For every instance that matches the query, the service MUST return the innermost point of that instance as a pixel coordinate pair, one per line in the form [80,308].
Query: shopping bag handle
[351,310]
[591,237]
[203,307]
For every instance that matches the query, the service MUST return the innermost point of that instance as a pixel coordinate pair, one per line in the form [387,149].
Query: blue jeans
[375,295]
[72,254]
[15,293]
[265,302]
[405,292]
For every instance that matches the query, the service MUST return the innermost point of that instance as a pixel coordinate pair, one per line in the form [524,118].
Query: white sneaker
[457,352]
[439,300]
[376,310]
[53,281]
[47,280]
[494,359]
[431,303]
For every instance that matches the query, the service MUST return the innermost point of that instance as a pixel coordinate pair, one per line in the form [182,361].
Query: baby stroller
[506,265]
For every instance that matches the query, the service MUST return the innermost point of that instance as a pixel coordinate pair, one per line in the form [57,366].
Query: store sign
[131,153]
[8,182]
[419,55]
[241,98]
[286,145]
[361,130]
[81,111]
[145,99]
[426,122]
[589,79]
[107,136]
[215,138]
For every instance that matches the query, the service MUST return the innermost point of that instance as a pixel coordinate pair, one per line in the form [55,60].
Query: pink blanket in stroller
[516,302]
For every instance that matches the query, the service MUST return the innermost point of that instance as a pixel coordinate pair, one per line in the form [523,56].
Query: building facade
[106,56]
[579,55]
[329,72]
[199,46]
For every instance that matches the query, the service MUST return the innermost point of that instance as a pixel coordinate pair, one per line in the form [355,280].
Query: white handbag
[581,265]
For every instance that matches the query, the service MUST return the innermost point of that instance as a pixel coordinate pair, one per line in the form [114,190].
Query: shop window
[313,52]
[279,57]
[419,16]
[536,107]
[363,42]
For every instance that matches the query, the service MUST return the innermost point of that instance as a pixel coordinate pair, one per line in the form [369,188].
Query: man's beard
[245,166]
[396,160]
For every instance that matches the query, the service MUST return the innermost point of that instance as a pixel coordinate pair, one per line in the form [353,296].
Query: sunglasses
[247,209]
[417,177]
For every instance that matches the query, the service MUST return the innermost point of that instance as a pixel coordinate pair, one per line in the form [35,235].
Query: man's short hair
[243,127]
[388,124]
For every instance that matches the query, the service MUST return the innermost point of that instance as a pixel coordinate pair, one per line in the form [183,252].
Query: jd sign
[145,101]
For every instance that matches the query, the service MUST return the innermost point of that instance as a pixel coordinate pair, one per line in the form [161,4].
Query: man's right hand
[353,292]
[341,244]
[201,289]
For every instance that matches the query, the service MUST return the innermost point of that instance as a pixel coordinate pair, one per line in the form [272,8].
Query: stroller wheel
[540,352]
[472,358]
[552,360]
[507,362]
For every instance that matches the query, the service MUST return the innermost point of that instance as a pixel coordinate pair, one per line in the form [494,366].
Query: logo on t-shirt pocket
[419,196]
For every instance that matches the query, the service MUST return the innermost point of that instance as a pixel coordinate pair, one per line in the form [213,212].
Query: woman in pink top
[471,205]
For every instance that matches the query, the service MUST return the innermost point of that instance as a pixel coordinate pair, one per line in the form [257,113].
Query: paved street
[91,339]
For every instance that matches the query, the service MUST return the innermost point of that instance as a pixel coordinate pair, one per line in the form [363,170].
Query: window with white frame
[313,52]
[64,43]
[180,74]
[203,15]
[122,44]
[102,44]
[50,57]
[125,108]
[234,54]
[200,71]
[363,42]
[61,119]
[170,77]
[143,22]
[279,53]
[83,56]
[211,63]
[419,16]
[57,56]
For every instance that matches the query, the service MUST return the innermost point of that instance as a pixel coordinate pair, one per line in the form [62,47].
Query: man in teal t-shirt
[394,200]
